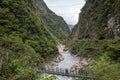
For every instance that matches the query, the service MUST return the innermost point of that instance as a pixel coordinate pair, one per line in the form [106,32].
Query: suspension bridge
[67,72]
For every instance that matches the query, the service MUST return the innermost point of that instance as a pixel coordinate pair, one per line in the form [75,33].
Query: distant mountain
[70,26]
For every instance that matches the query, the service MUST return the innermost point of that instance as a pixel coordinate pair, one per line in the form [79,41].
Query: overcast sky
[68,9]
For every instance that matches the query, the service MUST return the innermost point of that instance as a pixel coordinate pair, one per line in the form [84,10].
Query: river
[68,61]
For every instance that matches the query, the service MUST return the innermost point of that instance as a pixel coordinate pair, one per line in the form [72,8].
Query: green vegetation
[95,48]
[51,78]
[94,18]
[56,25]
[106,54]
[99,37]
[25,42]
[46,77]
[105,69]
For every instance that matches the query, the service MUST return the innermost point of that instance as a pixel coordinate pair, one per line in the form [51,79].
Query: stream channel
[67,63]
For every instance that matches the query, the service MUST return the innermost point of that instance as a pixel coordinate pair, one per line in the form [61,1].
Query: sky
[68,9]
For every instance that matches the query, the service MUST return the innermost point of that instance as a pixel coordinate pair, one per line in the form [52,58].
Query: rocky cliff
[97,36]
[55,24]
[99,19]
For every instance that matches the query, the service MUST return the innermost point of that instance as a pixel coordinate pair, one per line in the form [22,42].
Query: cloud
[68,9]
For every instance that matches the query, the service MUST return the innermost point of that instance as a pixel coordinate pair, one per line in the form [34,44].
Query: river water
[68,61]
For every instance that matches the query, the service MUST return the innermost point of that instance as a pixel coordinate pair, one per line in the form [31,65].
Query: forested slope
[25,41]
[99,20]
[97,36]
[56,24]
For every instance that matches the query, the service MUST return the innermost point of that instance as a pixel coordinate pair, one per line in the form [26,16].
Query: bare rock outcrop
[82,63]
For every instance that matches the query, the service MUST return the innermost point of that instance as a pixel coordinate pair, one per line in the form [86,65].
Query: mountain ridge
[56,24]
[96,36]
[99,20]
[25,41]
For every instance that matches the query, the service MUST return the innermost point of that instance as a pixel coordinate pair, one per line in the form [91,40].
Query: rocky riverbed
[65,59]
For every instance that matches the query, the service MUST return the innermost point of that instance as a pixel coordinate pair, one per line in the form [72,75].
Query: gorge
[31,35]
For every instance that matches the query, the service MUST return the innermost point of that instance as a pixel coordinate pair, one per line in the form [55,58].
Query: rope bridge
[67,72]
